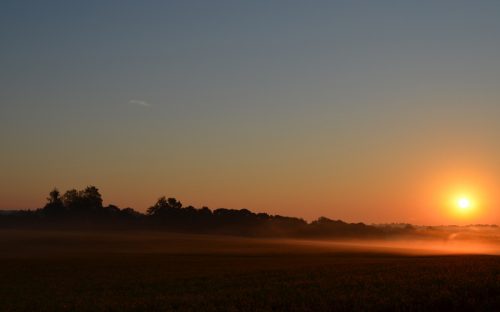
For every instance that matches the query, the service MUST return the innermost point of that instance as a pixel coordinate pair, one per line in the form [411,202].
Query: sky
[365,111]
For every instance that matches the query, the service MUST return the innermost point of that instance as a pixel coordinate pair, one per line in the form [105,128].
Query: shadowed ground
[111,271]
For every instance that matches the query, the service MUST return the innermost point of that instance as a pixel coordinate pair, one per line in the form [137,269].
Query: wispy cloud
[140,103]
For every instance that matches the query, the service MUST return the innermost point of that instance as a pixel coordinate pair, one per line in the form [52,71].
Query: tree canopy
[169,213]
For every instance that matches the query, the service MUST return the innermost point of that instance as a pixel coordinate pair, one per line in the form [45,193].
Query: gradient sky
[373,111]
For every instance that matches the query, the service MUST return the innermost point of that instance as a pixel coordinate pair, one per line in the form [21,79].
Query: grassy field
[137,271]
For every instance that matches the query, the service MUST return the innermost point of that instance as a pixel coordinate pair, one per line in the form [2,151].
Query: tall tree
[54,204]
[91,198]
[71,200]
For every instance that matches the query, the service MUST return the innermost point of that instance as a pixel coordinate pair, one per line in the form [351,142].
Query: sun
[461,202]
[464,204]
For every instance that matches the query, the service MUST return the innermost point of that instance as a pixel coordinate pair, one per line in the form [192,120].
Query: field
[137,271]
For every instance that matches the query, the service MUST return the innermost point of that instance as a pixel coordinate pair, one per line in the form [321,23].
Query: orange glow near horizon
[466,204]
[460,196]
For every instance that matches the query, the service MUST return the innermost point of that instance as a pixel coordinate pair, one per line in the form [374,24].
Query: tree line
[76,208]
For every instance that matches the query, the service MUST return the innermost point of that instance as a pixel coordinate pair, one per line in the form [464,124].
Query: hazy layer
[16,243]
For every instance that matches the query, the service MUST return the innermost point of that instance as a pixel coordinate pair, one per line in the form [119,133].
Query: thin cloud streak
[140,103]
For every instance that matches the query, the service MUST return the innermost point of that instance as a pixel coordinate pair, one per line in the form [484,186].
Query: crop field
[155,271]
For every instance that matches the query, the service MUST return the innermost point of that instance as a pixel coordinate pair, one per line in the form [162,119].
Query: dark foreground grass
[42,271]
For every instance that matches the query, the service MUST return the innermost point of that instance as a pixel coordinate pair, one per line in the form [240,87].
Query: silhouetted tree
[71,200]
[174,203]
[87,201]
[130,213]
[54,197]
[160,205]
[54,204]
[164,206]
[85,208]
[91,198]
[329,228]
[205,212]
[112,210]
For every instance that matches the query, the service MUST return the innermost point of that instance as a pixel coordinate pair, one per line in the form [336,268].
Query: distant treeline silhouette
[84,208]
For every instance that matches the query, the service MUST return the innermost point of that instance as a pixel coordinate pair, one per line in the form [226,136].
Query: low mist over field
[452,239]
[46,242]
[151,270]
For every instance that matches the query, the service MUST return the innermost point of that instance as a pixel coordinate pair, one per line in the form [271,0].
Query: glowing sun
[463,203]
